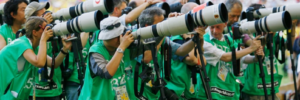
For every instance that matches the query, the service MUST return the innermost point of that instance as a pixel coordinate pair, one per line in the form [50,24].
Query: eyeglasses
[41,27]
[110,27]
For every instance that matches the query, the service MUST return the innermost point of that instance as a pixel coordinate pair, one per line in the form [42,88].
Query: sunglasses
[110,27]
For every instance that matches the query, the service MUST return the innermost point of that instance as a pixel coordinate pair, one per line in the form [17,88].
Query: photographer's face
[20,15]
[41,12]
[217,30]
[234,14]
[158,19]
[114,43]
[119,9]
[38,33]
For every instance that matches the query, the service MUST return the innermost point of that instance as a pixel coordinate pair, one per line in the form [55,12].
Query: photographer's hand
[47,34]
[48,17]
[256,43]
[66,45]
[174,14]
[126,40]
[201,31]
[259,52]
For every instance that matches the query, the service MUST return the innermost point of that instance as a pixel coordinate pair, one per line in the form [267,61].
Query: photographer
[220,70]
[38,9]
[181,73]
[152,16]
[234,8]
[43,90]
[14,18]
[105,77]
[20,57]
[72,83]
[253,80]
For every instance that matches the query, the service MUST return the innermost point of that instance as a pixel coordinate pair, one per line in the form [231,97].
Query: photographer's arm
[84,38]
[252,59]
[38,60]
[135,13]
[189,45]
[192,59]
[254,46]
[112,65]
[2,42]
[60,57]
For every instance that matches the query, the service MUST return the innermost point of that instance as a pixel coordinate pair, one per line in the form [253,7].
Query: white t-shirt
[212,54]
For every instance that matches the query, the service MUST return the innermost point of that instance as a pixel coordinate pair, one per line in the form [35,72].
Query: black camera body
[53,37]
[126,10]
[235,31]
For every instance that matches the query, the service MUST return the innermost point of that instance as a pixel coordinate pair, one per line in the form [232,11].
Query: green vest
[43,88]
[98,88]
[222,80]
[20,82]
[7,33]
[253,84]
[181,82]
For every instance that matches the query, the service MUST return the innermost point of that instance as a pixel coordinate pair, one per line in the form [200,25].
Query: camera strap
[159,83]
[270,47]
[167,52]
[194,69]
[54,48]
[203,74]
[280,46]
[235,66]
[136,72]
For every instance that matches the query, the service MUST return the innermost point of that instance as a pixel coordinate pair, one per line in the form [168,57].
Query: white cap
[35,6]
[106,34]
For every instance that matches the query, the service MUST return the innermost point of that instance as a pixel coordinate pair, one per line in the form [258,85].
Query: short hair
[147,16]
[118,3]
[33,23]
[187,7]
[11,6]
[230,3]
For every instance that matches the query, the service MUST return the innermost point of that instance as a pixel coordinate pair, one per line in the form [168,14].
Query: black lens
[50,25]
[117,25]
[110,27]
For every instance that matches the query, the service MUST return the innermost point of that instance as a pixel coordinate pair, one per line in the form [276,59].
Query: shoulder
[3,29]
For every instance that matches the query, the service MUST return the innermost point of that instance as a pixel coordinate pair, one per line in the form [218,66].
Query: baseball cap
[110,27]
[35,6]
